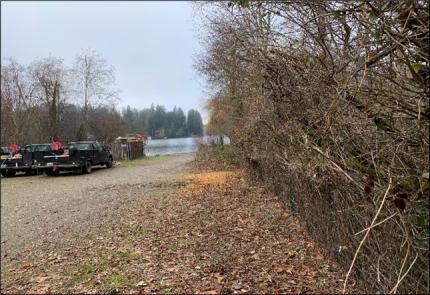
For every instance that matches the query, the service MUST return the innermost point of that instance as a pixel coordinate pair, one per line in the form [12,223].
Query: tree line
[48,100]
[327,102]
[157,122]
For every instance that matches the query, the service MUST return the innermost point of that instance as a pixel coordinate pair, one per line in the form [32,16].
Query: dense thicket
[47,100]
[327,102]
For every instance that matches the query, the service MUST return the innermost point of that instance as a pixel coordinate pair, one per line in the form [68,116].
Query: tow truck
[78,156]
[27,159]
[4,153]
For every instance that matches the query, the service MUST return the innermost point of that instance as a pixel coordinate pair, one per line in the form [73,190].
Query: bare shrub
[327,103]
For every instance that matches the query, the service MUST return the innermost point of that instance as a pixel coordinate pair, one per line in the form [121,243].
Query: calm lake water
[175,145]
[171,146]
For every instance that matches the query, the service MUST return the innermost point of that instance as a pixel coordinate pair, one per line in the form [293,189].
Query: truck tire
[51,172]
[8,173]
[31,172]
[87,169]
[109,163]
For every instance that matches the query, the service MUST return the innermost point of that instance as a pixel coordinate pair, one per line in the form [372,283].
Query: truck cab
[80,156]
[4,152]
[26,159]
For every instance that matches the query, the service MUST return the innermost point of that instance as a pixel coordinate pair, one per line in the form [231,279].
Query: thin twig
[401,268]
[380,222]
[404,275]
[365,236]
[338,168]
[377,270]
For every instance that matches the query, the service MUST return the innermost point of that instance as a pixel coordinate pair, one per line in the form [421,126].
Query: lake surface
[176,145]
[171,146]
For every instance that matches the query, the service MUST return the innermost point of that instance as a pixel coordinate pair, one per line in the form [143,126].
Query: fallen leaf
[219,278]
[43,290]
[318,256]
[210,292]
[26,266]
[40,279]
[141,284]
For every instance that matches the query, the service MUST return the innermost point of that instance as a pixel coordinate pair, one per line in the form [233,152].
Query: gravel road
[40,211]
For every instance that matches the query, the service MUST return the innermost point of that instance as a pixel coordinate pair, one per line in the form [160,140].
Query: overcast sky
[151,45]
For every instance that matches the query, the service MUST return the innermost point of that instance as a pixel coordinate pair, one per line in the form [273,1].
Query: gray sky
[152,45]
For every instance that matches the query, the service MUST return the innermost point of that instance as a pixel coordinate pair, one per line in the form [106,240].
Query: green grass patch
[180,243]
[85,273]
[145,161]
[128,255]
[82,273]
[115,281]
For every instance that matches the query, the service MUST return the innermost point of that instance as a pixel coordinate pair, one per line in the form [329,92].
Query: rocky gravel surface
[40,212]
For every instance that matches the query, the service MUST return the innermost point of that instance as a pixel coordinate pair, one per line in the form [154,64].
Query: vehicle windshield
[81,146]
[40,148]
[4,150]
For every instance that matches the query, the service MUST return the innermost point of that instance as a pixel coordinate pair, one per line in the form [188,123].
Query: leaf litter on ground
[216,233]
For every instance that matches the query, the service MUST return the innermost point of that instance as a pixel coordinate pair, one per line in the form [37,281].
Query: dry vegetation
[48,100]
[327,103]
[210,232]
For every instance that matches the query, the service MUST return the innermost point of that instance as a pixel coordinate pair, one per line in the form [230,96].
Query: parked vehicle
[4,152]
[27,159]
[79,156]
[39,151]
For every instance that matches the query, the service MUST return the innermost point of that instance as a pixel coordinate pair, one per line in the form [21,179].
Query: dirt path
[161,227]
[39,211]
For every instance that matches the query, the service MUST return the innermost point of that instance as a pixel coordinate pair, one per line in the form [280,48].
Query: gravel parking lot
[40,211]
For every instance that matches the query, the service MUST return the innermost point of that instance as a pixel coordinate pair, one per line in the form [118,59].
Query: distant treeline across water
[157,122]
[179,145]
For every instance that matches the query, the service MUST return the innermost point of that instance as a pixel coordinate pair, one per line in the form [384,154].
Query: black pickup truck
[27,159]
[80,156]
[4,152]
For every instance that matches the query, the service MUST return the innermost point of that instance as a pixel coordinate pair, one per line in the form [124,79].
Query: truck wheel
[87,168]
[109,163]
[51,172]
[8,173]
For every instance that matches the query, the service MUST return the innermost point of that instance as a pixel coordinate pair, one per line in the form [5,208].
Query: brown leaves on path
[217,233]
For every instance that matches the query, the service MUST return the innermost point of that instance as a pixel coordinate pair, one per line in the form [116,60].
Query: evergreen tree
[194,123]
[157,122]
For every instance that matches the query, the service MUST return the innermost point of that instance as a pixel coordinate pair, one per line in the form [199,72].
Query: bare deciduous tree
[50,76]
[36,104]
[17,103]
[93,83]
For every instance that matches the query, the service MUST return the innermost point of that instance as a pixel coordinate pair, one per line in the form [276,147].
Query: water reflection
[171,146]
[178,145]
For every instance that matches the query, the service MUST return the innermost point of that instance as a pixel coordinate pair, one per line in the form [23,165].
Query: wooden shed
[128,148]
